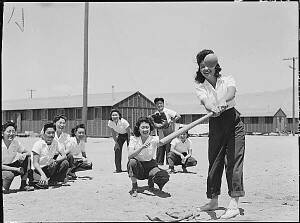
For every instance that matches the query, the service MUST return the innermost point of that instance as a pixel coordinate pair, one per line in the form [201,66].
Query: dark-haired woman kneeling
[141,151]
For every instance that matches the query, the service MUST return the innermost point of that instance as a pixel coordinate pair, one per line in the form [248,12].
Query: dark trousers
[118,152]
[147,170]
[79,165]
[55,172]
[226,147]
[8,176]
[141,169]
[71,161]
[174,160]
[163,150]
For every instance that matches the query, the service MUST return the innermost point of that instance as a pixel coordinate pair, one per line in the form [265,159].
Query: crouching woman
[76,147]
[181,153]
[141,152]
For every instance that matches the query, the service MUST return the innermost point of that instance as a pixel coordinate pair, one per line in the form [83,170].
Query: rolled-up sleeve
[36,148]
[230,81]
[132,144]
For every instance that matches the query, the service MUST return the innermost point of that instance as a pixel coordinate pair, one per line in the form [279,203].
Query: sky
[146,47]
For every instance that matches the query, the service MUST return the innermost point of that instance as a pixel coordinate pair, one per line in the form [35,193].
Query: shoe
[172,171]
[134,193]
[27,188]
[230,213]
[41,186]
[71,177]
[52,183]
[184,170]
[118,171]
[150,185]
[72,174]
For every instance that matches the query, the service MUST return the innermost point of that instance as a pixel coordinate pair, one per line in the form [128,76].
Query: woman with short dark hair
[141,161]
[120,130]
[76,147]
[15,158]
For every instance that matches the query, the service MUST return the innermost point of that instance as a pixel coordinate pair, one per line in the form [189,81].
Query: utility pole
[31,90]
[293,59]
[85,65]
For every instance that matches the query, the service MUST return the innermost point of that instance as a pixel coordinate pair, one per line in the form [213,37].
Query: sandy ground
[271,179]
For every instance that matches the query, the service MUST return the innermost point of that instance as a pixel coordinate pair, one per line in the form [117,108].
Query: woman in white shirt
[120,131]
[226,146]
[181,153]
[141,161]
[62,137]
[15,158]
[76,147]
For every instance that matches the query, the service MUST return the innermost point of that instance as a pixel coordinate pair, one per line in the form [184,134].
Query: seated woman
[181,153]
[47,169]
[75,145]
[141,162]
[15,158]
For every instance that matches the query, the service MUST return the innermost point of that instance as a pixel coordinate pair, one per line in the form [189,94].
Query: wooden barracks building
[31,114]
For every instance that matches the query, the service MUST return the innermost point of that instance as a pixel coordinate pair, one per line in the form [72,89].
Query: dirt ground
[271,180]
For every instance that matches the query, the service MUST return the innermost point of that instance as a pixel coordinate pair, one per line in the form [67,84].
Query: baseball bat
[185,128]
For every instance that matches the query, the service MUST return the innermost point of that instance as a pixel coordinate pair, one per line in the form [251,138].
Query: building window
[70,113]
[182,119]
[246,120]
[36,114]
[78,113]
[25,115]
[254,120]
[195,117]
[269,120]
[105,112]
[90,113]
[51,114]
[98,113]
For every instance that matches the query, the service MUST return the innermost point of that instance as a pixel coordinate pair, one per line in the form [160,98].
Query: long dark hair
[200,57]
[136,129]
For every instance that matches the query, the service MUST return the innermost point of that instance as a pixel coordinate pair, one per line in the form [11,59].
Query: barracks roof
[104,99]
[252,104]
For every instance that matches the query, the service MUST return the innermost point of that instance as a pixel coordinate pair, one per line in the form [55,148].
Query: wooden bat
[185,128]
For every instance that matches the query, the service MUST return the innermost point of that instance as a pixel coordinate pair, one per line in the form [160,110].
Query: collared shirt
[10,154]
[120,127]
[63,138]
[169,114]
[180,146]
[206,90]
[146,154]
[45,151]
[75,149]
